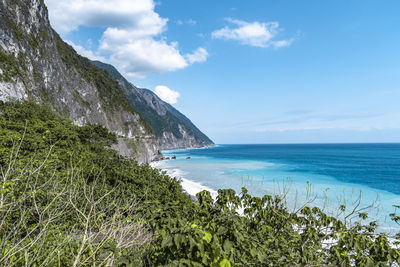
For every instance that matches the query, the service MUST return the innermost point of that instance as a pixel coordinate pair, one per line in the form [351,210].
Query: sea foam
[329,174]
[190,187]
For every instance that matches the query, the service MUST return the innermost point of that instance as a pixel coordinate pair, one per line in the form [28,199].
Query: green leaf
[370,263]
[227,245]
[167,241]
[253,252]
[207,237]
[178,240]
[225,263]
[222,230]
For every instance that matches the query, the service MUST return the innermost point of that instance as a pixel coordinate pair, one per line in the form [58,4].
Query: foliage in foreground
[68,200]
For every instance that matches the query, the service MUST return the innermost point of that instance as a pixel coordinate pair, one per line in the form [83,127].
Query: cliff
[172,129]
[36,64]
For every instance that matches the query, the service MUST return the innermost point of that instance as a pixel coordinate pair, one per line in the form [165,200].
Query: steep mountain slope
[36,64]
[172,129]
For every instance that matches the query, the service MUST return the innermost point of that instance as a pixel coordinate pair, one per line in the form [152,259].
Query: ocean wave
[189,186]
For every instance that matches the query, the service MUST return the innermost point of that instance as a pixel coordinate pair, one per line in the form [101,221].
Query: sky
[256,71]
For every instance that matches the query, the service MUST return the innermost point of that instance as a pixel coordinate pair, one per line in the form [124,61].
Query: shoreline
[192,188]
[189,186]
[260,179]
[188,148]
[178,149]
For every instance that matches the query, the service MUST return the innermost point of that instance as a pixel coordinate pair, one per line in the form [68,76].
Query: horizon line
[316,143]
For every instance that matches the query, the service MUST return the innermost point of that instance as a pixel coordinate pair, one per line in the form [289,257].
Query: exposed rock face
[172,129]
[36,64]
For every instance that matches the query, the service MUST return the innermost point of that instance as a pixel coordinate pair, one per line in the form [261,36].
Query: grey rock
[37,65]
[172,129]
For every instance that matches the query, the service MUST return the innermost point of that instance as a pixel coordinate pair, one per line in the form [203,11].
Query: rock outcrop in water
[35,64]
[172,129]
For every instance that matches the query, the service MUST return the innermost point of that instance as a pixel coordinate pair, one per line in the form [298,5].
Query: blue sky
[254,71]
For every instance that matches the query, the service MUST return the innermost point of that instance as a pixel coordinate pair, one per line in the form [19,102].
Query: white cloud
[200,55]
[190,22]
[282,43]
[354,122]
[139,58]
[166,94]
[84,52]
[68,15]
[133,38]
[258,34]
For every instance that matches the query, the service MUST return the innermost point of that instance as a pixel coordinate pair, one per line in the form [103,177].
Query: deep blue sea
[327,174]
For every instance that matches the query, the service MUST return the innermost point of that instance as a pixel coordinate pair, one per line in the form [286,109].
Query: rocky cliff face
[36,64]
[173,130]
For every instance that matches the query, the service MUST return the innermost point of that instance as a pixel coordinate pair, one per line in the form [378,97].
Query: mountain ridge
[172,129]
[37,65]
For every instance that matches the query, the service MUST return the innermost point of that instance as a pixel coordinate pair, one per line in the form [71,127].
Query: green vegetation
[37,77]
[66,199]
[167,123]
[15,28]
[8,67]
[110,91]
[22,5]
[33,41]
[22,61]
[159,123]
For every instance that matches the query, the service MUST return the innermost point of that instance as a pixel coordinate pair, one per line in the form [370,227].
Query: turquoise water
[326,174]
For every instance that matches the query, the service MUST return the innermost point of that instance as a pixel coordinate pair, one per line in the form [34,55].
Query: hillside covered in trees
[67,199]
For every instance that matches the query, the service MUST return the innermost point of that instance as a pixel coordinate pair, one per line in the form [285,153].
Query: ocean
[325,175]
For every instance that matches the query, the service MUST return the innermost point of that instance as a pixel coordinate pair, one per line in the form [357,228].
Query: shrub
[67,199]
